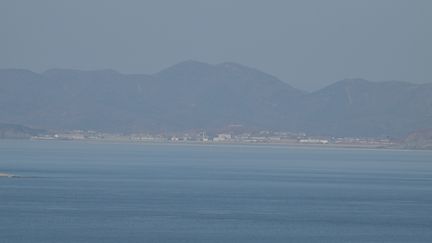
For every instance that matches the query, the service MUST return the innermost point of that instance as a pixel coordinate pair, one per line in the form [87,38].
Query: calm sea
[88,192]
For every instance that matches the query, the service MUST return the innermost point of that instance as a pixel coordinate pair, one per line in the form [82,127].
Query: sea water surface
[96,192]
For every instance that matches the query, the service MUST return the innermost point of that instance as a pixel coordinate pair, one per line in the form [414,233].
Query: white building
[222,137]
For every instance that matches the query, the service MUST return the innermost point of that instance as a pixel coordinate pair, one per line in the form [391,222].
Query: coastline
[394,146]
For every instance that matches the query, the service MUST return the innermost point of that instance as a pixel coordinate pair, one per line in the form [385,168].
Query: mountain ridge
[195,95]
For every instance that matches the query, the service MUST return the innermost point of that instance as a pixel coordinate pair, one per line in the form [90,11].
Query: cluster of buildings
[228,138]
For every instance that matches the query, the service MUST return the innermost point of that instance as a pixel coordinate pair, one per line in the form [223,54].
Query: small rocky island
[6,175]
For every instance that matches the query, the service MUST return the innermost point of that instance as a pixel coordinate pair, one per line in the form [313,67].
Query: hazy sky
[309,44]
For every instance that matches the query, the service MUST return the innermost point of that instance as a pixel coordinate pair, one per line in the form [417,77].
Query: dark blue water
[84,192]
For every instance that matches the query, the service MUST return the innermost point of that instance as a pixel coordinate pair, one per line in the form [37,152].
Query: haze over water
[85,192]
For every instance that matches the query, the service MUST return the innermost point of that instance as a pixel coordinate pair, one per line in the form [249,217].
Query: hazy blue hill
[356,107]
[193,95]
[23,94]
[189,95]
[421,139]
[13,131]
[199,95]
[101,100]
[70,99]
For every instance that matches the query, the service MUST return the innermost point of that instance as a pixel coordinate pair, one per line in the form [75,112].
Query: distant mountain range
[198,96]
